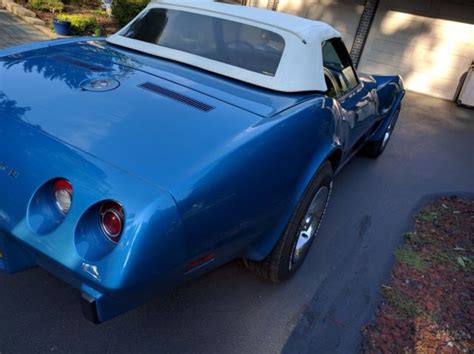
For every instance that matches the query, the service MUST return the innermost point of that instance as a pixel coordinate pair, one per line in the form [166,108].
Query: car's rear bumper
[97,306]
[13,257]
[98,303]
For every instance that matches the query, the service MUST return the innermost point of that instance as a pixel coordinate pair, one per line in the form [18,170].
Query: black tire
[375,148]
[278,265]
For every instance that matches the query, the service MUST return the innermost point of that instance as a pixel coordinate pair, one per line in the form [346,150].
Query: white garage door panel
[436,89]
[400,25]
[381,67]
[417,80]
[430,53]
[343,15]
[418,59]
[432,61]
[395,50]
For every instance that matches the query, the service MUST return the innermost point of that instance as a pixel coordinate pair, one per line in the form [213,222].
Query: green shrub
[81,24]
[55,5]
[98,31]
[125,10]
[47,5]
[100,12]
[84,3]
[37,4]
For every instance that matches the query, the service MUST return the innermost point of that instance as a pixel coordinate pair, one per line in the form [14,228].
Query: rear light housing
[62,190]
[112,220]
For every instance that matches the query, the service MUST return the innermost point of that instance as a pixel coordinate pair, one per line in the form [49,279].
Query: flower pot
[62,27]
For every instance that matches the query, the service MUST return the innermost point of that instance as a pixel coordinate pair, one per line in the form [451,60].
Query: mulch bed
[428,305]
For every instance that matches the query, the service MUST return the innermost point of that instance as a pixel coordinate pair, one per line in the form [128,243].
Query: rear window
[228,42]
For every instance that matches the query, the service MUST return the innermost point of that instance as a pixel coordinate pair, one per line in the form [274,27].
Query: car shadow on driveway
[229,310]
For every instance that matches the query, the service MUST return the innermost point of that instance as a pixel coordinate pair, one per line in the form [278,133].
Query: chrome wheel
[310,223]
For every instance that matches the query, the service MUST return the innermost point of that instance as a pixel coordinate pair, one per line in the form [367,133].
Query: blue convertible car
[199,133]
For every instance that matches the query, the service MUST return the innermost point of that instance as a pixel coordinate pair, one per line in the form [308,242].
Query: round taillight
[112,220]
[62,190]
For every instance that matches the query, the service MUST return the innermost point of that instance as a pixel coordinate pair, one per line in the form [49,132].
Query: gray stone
[21,11]
[34,21]
[14,31]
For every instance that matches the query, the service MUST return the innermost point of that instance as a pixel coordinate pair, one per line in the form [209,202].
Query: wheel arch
[264,245]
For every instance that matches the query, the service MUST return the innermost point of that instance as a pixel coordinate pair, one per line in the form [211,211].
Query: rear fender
[332,146]
[266,245]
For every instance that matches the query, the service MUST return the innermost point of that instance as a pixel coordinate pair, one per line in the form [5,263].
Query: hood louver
[176,96]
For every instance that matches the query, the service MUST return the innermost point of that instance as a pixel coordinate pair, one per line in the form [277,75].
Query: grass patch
[406,306]
[454,260]
[427,216]
[418,239]
[408,256]
[409,236]
[445,257]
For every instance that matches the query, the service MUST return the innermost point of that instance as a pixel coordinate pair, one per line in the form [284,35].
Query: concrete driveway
[322,309]
[14,31]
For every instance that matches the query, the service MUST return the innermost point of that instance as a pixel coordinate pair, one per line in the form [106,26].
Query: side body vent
[80,63]
[176,96]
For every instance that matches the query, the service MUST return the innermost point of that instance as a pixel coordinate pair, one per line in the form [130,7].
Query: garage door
[343,15]
[429,42]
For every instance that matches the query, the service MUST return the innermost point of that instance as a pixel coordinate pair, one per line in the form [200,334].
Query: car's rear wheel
[292,248]
[375,148]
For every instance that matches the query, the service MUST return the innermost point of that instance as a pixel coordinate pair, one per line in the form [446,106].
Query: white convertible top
[301,64]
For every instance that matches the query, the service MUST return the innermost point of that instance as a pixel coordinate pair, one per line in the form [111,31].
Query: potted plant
[62,27]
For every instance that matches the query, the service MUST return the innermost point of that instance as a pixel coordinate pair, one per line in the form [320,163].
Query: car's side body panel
[278,157]
[199,188]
